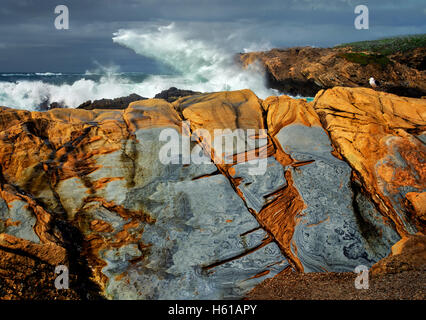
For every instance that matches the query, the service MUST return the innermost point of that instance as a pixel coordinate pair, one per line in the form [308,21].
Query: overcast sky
[29,41]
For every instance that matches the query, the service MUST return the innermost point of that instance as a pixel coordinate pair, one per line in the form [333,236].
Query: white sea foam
[200,65]
[30,94]
[46,74]
[16,74]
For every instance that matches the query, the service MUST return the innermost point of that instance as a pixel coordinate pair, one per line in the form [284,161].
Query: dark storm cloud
[29,41]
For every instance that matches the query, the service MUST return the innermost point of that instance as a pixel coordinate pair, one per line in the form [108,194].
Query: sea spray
[199,65]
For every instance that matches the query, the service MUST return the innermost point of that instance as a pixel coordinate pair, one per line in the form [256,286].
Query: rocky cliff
[344,181]
[305,70]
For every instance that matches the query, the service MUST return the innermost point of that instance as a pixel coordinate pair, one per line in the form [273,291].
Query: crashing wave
[199,65]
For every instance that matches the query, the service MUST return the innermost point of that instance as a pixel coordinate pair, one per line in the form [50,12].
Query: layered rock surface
[382,137]
[305,70]
[322,186]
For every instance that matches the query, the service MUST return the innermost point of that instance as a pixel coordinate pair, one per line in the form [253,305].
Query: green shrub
[365,59]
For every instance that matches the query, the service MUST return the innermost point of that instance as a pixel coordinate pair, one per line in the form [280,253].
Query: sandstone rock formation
[305,70]
[414,58]
[382,138]
[408,254]
[341,180]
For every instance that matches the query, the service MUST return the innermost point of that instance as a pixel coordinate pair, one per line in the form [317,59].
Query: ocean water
[29,90]
[197,65]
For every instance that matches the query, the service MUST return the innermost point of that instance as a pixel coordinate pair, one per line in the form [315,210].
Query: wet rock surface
[117,103]
[172,94]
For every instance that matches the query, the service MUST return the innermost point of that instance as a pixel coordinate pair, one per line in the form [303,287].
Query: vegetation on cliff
[388,46]
[399,64]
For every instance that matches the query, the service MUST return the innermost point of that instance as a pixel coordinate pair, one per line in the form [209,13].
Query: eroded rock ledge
[305,70]
[345,181]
